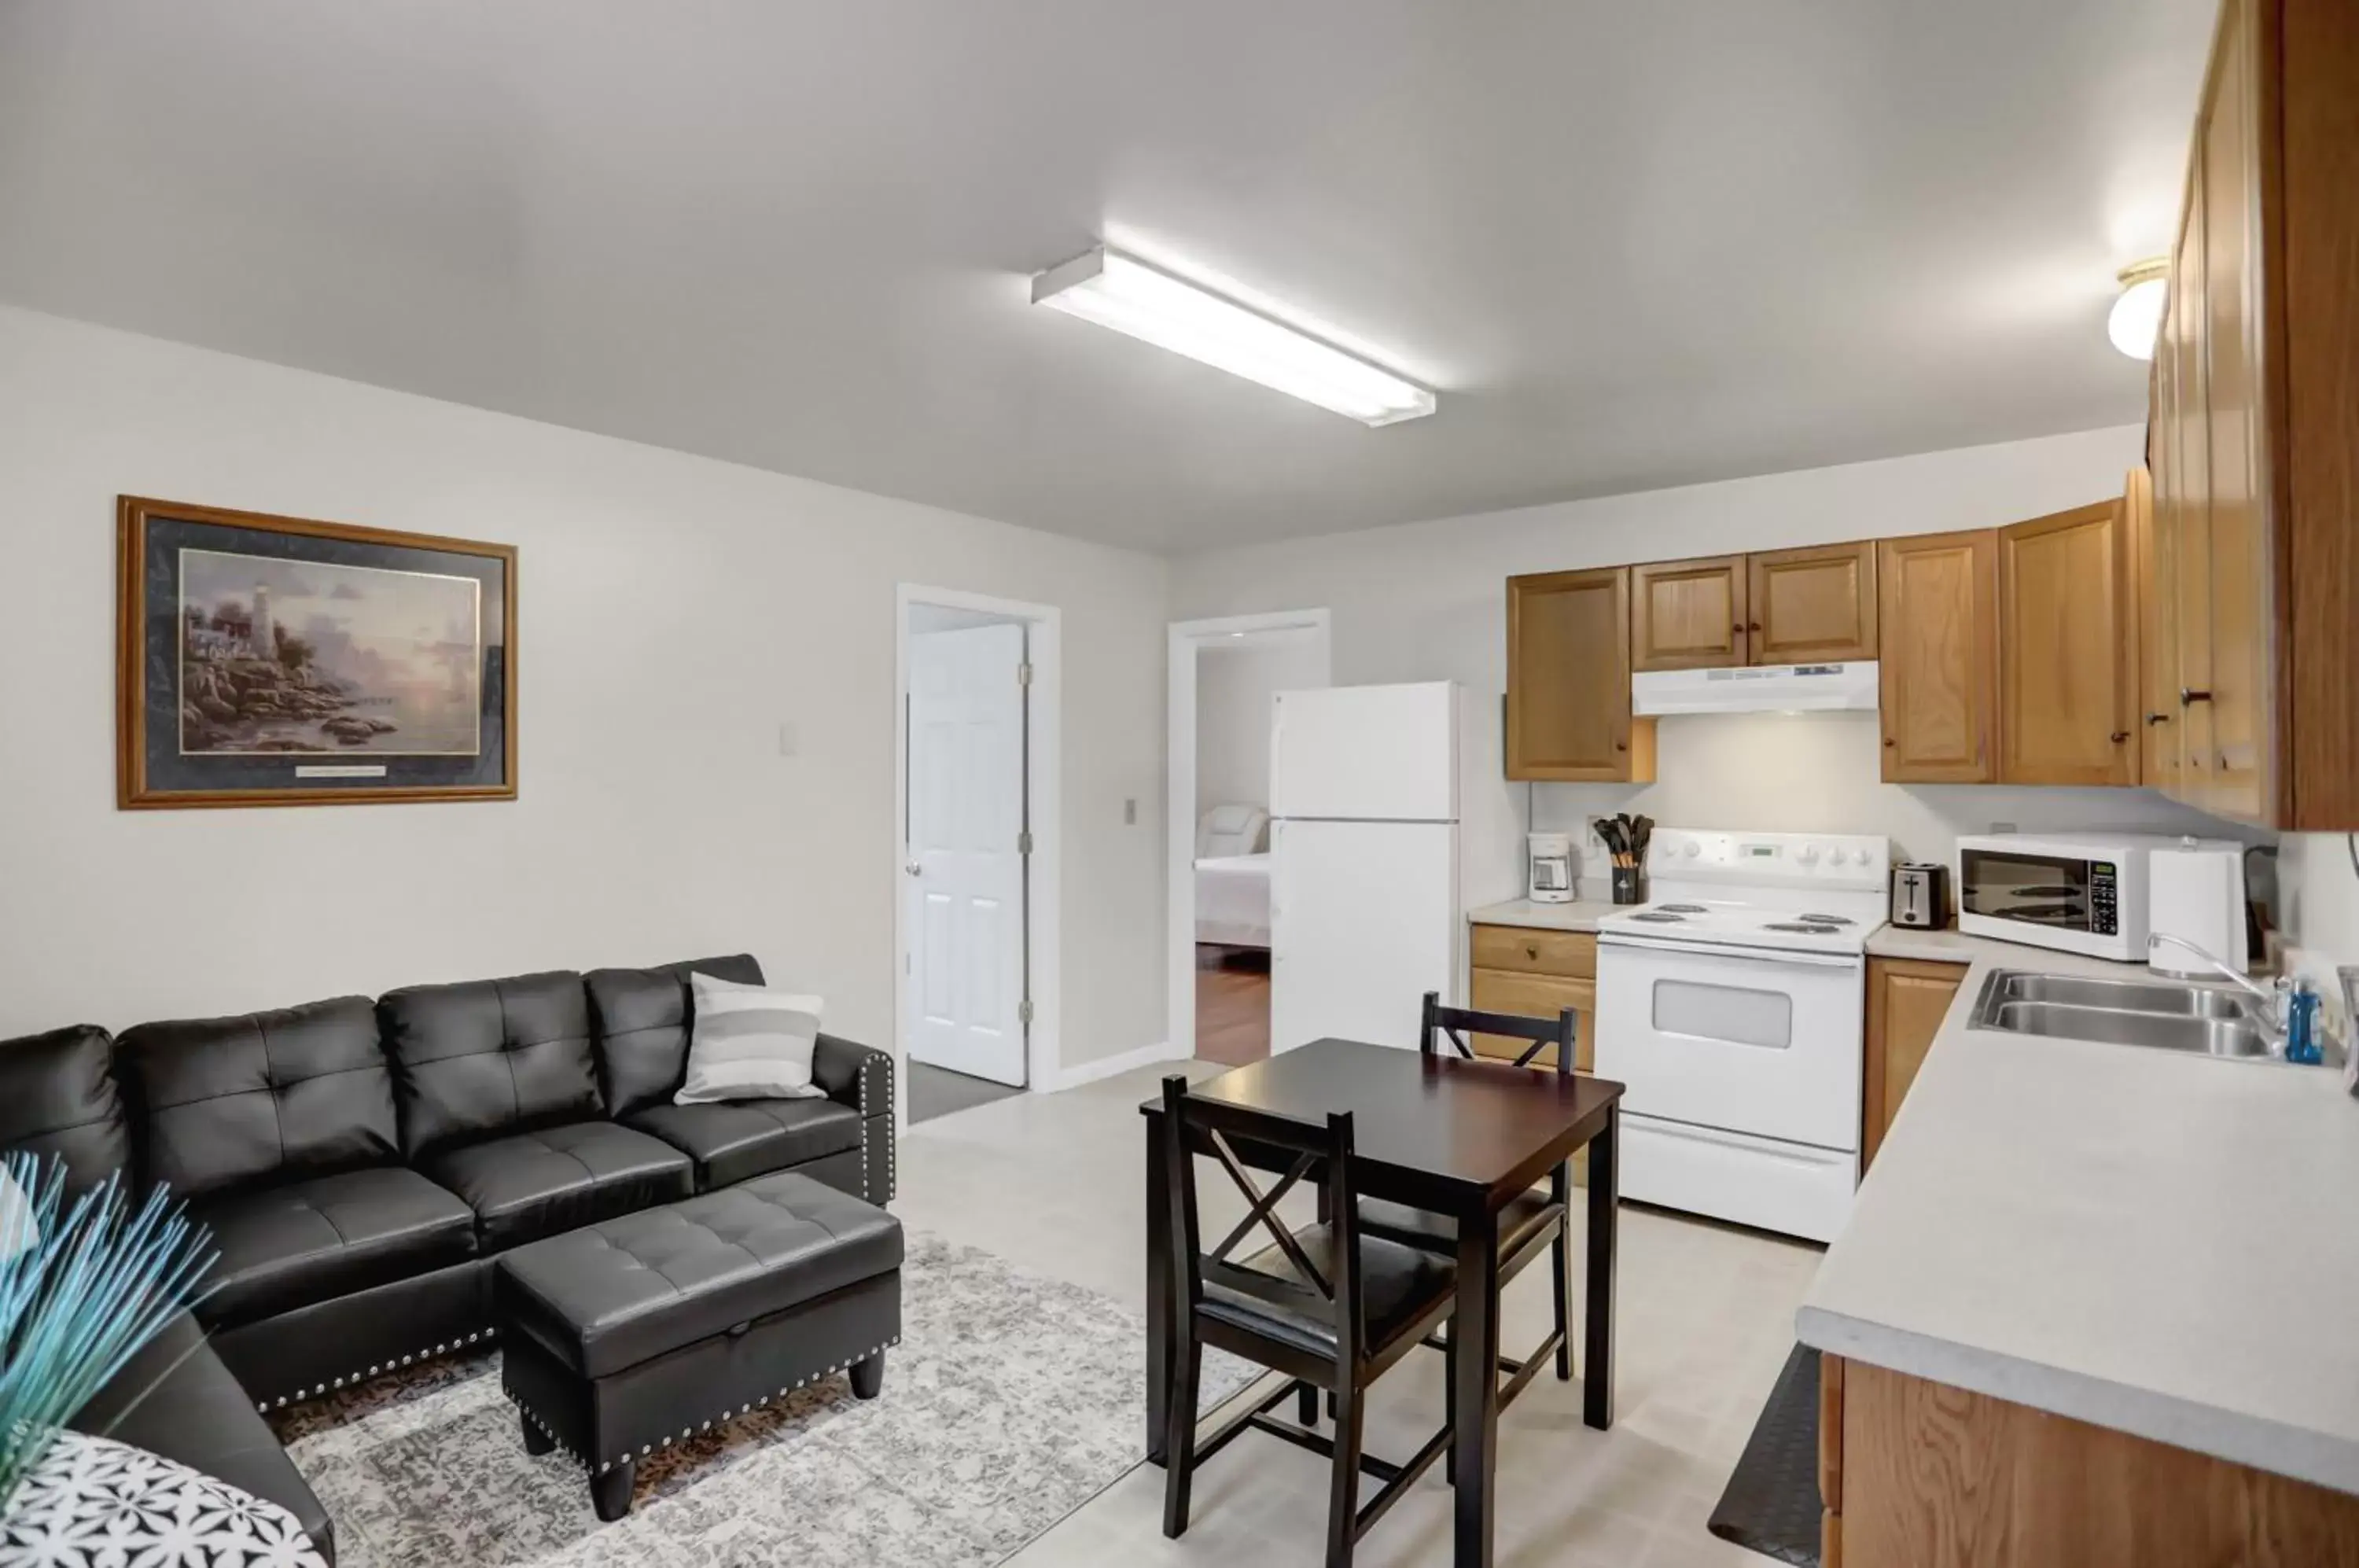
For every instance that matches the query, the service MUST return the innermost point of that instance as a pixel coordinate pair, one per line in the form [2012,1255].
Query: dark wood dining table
[1454,1137]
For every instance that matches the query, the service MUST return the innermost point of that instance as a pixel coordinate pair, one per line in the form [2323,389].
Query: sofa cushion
[58,1097]
[488,1057]
[532,1185]
[734,1139]
[641,1019]
[176,1399]
[615,1294]
[287,1246]
[224,1103]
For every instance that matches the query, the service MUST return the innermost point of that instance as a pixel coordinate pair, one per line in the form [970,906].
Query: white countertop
[1581,915]
[2160,1244]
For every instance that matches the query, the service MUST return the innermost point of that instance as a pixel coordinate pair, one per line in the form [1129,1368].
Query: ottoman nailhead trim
[358,1376]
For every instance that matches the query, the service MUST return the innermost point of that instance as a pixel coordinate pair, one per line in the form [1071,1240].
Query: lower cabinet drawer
[1537,997]
[1571,955]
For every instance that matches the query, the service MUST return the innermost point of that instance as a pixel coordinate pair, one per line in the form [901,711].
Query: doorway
[1223,673]
[974,863]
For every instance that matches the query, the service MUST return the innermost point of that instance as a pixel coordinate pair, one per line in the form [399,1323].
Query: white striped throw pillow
[749,1043]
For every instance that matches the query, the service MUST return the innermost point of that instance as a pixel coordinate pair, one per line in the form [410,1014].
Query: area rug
[1012,1399]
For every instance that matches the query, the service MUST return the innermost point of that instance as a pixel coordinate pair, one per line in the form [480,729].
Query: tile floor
[1055,1183]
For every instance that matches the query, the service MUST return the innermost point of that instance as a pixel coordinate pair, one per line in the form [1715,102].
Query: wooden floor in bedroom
[1231,1004]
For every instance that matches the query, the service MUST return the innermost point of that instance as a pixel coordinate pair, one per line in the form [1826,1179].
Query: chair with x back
[1327,1306]
[1531,1221]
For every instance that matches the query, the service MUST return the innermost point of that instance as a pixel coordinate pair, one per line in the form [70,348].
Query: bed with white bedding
[1232,900]
[1233,877]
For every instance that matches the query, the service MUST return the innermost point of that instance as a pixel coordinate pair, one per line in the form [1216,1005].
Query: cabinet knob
[2120,735]
[2186,696]
[2158,718]
[1530,952]
[1890,742]
[1621,745]
[1737,628]
[1752,627]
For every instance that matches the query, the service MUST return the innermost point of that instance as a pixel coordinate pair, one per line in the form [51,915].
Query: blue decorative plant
[82,1288]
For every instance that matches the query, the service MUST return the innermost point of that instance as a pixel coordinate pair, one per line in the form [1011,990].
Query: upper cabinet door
[1569,681]
[2067,649]
[2239,770]
[1937,601]
[1688,614]
[1812,607]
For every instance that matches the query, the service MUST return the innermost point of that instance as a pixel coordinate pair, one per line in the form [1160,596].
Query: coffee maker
[1548,859]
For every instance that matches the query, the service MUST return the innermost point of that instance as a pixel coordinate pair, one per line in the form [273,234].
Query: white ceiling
[1632,244]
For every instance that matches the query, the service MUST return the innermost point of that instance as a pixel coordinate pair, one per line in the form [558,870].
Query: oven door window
[2038,889]
[1730,1015]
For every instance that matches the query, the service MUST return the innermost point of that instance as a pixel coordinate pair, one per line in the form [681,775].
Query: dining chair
[1326,1305]
[1531,1223]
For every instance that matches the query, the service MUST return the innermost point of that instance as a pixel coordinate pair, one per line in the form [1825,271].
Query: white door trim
[1044,758]
[1180,794]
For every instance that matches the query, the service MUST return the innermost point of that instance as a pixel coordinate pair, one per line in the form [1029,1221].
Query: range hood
[1756,689]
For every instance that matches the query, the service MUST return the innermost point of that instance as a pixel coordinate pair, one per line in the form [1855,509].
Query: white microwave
[2076,892]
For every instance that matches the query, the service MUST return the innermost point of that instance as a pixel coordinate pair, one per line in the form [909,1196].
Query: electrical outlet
[2002,827]
[1591,841]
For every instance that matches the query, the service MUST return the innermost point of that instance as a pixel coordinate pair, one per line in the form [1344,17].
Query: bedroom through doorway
[1224,675]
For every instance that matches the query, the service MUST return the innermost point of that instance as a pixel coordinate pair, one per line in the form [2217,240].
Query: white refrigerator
[1391,817]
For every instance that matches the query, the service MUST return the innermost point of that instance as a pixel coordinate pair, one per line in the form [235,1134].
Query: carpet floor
[1012,1399]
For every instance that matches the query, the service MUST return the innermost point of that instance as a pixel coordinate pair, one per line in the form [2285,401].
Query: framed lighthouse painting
[281,662]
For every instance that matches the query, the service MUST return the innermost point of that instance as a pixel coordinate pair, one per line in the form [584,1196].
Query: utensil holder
[1630,885]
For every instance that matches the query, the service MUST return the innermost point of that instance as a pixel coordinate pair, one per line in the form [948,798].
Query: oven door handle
[1729,949]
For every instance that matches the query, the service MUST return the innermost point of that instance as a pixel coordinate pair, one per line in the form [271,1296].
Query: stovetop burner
[1812,926]
[1823,919]
[1659,916]
[1681,909]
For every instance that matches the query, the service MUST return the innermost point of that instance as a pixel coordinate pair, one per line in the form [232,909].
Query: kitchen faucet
[2276,1005]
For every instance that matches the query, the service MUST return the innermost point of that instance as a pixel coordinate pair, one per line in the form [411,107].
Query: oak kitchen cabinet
[1537,974]
[1907,1000]
[1569,715]
[2254,573]
[2068,641]
[1811,605]
[1939,672]
[1688,614]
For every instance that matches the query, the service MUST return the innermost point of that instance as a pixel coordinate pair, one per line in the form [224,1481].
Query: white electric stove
[1730,1006]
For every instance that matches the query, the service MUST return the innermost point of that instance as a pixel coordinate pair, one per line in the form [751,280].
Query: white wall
[1235,683]
[2321,919]
[673,613]
[1426,602]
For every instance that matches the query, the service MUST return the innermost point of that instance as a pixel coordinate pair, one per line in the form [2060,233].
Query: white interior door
[964,869]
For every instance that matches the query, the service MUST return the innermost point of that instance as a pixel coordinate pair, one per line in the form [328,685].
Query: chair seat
[293,1246]
[532,1184]
[1524,1217]
[732,1140]
[1398,1287]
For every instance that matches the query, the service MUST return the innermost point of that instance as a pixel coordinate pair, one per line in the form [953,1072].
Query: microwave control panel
[2105,900]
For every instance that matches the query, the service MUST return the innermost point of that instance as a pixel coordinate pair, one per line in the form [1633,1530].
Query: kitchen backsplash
[1821,772]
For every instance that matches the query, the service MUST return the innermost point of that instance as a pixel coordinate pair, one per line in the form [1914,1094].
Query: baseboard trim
[1092,1072]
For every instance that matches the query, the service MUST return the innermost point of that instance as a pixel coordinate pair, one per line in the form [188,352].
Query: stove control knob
[1690,849]
[1808,855]
[1863,854]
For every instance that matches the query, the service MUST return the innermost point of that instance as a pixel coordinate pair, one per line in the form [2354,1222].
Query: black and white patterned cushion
[95,1503]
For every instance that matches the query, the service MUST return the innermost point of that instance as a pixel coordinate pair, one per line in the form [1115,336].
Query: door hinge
[1024,842]
[1024,673]
[1023,1011]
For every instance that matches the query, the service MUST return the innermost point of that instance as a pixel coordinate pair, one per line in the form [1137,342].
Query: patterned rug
[1011,1401]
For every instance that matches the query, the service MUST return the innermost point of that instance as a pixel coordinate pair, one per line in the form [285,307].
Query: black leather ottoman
[628,1335]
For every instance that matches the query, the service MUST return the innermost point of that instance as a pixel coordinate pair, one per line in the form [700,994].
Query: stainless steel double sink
[2203,1020]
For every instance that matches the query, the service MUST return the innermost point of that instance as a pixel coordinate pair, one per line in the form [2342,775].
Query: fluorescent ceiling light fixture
[2136,316]
[1123,292]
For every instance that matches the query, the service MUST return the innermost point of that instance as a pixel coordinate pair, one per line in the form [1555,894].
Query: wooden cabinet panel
[1535,997]
[1939,634]
[1811,606]
[1934,1476]
[1688,614]
[1907,1000]
[1569,681]
[2153,567]
[2238,766]
[1571,955]
[2065,678]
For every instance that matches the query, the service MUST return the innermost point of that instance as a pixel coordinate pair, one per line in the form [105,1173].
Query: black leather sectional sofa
[360,1162]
